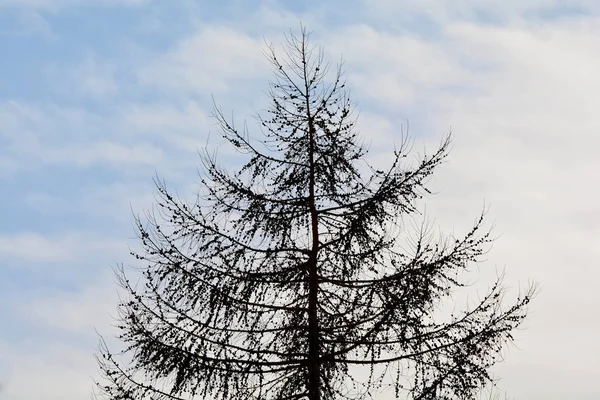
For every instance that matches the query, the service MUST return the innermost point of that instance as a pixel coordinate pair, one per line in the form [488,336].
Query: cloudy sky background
[96,96]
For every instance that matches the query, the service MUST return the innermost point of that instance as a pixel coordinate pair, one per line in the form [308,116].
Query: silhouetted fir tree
[281,280]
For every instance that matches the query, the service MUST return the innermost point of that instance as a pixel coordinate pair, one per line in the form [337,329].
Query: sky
[97,97]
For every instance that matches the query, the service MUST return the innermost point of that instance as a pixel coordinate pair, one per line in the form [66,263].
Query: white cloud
[78,313]
[391,70]
[58,371]
[506,12]
[34,247]
[109,204]
[103,153]
[54,135]
[208,61]
[184,128]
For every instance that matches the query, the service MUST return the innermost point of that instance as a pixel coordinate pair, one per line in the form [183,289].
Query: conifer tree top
[285,279]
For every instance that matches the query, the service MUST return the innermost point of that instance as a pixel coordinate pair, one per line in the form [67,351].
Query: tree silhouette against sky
[289,279]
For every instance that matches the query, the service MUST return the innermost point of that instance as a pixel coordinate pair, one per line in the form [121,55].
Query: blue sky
[96,97]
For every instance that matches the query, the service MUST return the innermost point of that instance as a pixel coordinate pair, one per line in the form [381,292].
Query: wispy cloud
[208,61]
[58,135]
[31,246]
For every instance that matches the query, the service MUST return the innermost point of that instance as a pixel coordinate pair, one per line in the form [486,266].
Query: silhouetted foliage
[285,280]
